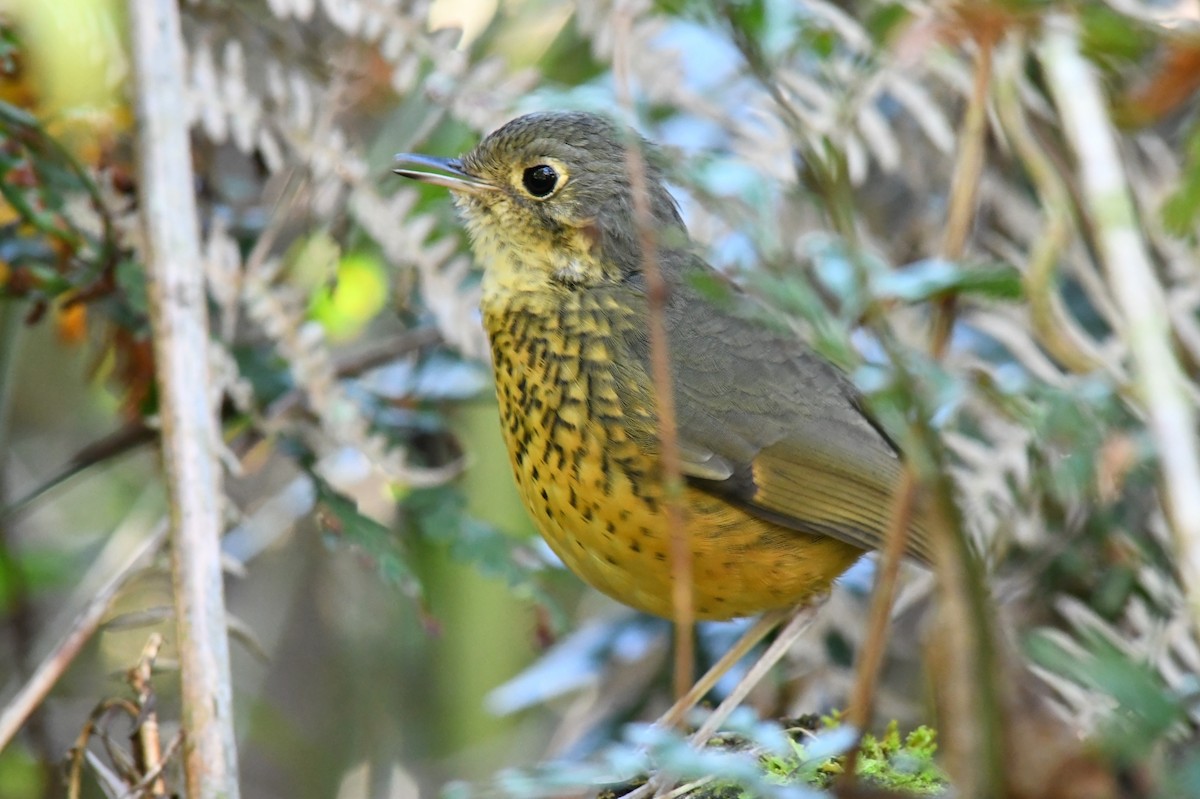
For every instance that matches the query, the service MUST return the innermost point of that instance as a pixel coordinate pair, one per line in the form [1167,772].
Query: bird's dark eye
[540,180]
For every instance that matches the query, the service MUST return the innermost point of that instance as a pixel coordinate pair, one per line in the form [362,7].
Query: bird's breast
[579,423]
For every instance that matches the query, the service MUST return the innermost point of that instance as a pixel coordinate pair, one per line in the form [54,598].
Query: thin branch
[967,633]
[63,654]
[870,658]
[1171,417]
[799,620]
[136,434]
[680,554]
[189,422]
[375,353]
[742,647]
[964,186]
[964,636]
[149,750]
[79,751]
[1055,329]
[154,775]
[109,447]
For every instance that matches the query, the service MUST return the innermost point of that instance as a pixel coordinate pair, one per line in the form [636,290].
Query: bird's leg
[798,620]
[801,619]
[759,630]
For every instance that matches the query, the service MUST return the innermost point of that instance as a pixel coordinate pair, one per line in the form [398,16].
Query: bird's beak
[455,179]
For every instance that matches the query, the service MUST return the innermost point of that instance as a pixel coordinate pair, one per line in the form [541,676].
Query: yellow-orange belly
[595,494]
[742,565]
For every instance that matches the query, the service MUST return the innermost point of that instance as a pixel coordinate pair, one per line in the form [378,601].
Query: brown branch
[680,554]
[79,750]
[742,647]
[63,654]
[108,447]
[150,758]
[137,434]
[1055,329]
[870,658]
[375,353]
[190,433]
[154,775]
[801,618]
[970,624]
[964,187]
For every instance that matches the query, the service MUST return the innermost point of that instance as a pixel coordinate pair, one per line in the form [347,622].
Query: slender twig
[964,648]
[61,656]
[758,631]
[1171,417]
[190,433]
[680,554]
[801,619]
[964,187]
[965,636]
[952,556]
[1055,330]
[870,658]
[154,775]
[80,750]
[150,758]
[376,353]
[137,434]
[105,449]
[687,788]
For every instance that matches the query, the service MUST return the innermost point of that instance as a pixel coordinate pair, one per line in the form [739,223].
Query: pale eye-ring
[540,180]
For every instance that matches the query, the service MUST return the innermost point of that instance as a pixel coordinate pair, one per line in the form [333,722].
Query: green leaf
[439,514]
[1181,209]
[713,287]
[748,16]
[1147,708]
[343,525]
[20,773]
[1111,36]
[881,22]
[935,278]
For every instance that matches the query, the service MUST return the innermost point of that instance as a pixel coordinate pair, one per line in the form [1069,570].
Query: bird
[789,480]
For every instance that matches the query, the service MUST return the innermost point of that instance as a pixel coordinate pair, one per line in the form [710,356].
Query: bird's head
[551,194]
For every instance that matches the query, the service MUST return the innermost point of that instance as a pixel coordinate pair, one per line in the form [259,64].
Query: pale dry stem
[56,662]
[1158,378]
[742,647]
[150,750]
[1055,329]
[190,436]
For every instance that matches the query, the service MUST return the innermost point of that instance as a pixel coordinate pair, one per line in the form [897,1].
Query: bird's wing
[771,426]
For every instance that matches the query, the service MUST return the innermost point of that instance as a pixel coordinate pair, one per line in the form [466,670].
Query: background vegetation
[986,211]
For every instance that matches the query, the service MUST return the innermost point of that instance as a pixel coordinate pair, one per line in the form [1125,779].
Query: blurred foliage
[20,774]
[754,758]
[47,256]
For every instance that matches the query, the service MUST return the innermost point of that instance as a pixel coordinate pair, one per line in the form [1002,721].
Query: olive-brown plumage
[789,480]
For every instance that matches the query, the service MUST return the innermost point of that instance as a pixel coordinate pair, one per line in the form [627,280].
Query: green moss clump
[902,764]
[890,761]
